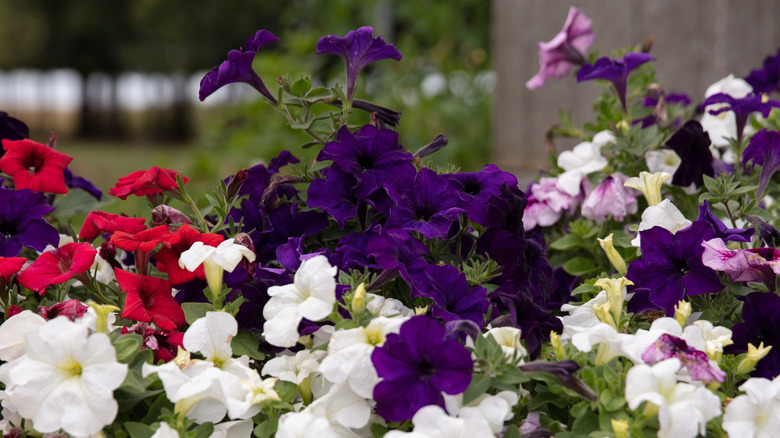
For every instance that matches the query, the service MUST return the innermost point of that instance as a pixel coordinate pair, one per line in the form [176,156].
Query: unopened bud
[359,298]
[754,354]
[614,257]
[649,184]
[681,312]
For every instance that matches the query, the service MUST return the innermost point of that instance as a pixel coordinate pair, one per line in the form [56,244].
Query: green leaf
[378,430]
[301,86]
[244,343]
[267,428]
[286,390]
[127,346]
[138,430]
[567,242]
[579,266]
[478,386]
[583,289]
[203,431]
[586,423]
[195,311]
[512,432]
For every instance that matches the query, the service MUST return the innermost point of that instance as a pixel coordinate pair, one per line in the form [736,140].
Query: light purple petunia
[357,48]
[696,362]
[755,264]
[610,198]
[238,68]
[558,56]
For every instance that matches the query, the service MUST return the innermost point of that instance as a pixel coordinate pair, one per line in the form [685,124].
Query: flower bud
[359,298]
[681,312]
[102,310]
[614,305]
[754,354]
[555,340]
[612,254]
[649,184]
[620,427]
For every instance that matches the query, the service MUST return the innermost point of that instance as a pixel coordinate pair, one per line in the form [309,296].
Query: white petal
[211,336]
[195,256]
[14,331]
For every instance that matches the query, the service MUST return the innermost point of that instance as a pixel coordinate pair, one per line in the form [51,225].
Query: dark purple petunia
[764,150]
[352,250]
[725,233]
[518,309]
[238,68]
[395,249]
[22,223]
[692,144]
[424,203]
[767,78]
[477,188]
[334,195]
[741,107]
[615,71]
[671,265]
[373,156]
[760,323]
[11,128]
[357,48]
[452,296]
[416,366]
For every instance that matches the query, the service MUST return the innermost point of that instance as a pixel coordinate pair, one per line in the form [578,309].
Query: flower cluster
[627,292]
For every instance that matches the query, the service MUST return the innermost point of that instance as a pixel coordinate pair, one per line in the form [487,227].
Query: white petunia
[432,422]
[584,159]
[295,368]
[663,160]
[194,388]
[215,261]
[306,424]
[211,336]
[165,431]
[508,338]
[66,379]
[757,412]
[493,410]
[664,214]
[311,296]
[582,317]
[14,331]
[349,354]
[683,409]
[233,429]
[724,125]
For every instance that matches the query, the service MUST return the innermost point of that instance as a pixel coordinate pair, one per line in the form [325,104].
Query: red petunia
[144,241]
[72,309]
[146,182]
[10,266]
[164,343]
[34,166]
[149,299]
[99,222]
[176,243]
[58,266]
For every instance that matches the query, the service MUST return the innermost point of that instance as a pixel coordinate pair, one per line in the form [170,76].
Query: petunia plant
[630,291]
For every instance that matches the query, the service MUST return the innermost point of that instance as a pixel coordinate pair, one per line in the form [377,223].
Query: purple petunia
[416,366]
[424,203]
[760,323]
[22,223]
[558,56]
[764,150]
[767,78]
[615,71]
[692,144]
[452,296]
[357,48]
[741,107]
[477,188]
[238,68]
[696,362]
[671,265]
[721,230]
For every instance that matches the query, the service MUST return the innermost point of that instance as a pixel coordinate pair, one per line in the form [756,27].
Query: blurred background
[117,80]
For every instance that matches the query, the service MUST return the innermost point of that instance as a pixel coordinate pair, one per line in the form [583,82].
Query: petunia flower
[546,204]
[649,184]
[149,299]
[225,257]
[721,230]
[78,182]
[610,198]
[10,266]
[665,215]
[433,422]
[755,264]
[692,145]
[453,297]
[695,361]
[723,126]
[311,296]
[559,55]
[163,343]
[767,78]
[764,150]
[99,222]
[238,68]
[418,364]
[664,160]
[741,107]
[12,128]
[683,409]
[146,182]
[61,363]
[174,245]
[483,190]
[582,160]
[671,265]
[58,266]
[760,325]
[615,71]
[34,166]
[357,48]
[755,413]
[14,331]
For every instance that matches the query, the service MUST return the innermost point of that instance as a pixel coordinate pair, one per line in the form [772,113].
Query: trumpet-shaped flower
[767,78]
[149,299]
[757,412]
[66,379]
[58,266]
[742,107]
[357,48]
[21,219]
[755,264]
[295,368]
[508,338]
[692,145]
[615,71]
[225,257]
[311,296]
[146,182]
[13,333]
[695,361]
[610,198]
[433,422]
[723,126]
[211,336]
[559,55]
[665,215]
[34,166]
[582,160]
[764,150]
[649,184]
[683,409]
[98,222]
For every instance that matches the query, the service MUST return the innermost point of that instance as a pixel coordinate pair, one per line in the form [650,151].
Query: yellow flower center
[71,368]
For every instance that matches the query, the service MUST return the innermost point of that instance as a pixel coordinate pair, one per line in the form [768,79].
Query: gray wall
[696,42]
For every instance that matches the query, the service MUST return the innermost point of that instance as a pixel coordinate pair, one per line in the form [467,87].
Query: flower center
[33,163]
[71,367]
[365,162]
